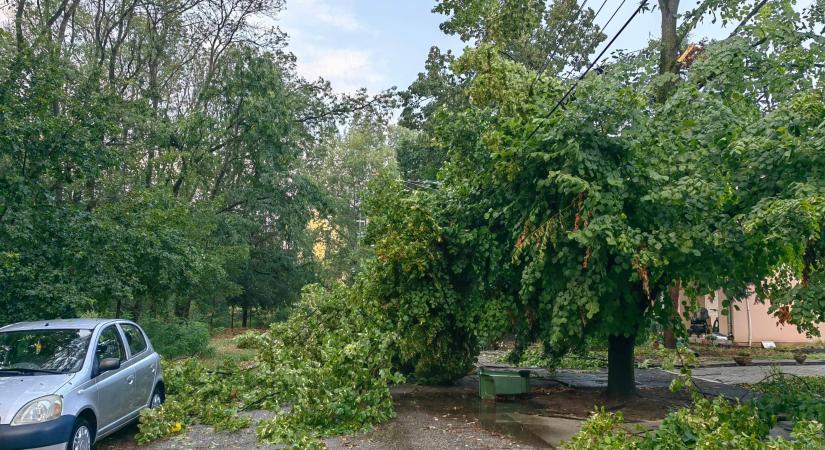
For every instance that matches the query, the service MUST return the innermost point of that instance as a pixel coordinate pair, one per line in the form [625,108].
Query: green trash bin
[502,382]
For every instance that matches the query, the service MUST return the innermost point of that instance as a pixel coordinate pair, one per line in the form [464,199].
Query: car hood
[16,391]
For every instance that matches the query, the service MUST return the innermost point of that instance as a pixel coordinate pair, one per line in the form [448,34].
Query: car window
[134,338]
[50,350]
[109,345]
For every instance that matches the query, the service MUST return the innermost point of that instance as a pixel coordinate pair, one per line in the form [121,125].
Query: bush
[247,340]
[178,339]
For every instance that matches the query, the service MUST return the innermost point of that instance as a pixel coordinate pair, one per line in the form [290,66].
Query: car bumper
[48,435]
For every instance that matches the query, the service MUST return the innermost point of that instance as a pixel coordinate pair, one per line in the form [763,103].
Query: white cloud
[347,69]
[323,12]
[332,42]
[5,17]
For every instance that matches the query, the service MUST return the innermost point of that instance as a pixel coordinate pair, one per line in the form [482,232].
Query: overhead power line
[599,10]
[613,15]
[604,27]
[592,64]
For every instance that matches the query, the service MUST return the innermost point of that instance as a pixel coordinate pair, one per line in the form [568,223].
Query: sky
[375,44]
[379,44]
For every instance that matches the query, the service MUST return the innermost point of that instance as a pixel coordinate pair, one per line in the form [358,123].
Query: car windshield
[43,351]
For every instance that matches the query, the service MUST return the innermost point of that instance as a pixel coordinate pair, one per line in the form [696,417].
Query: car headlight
[39,410]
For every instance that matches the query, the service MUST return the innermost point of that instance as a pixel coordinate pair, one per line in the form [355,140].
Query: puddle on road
[523,419]
[544,418]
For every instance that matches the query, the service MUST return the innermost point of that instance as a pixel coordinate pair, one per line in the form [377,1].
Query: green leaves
[707,424]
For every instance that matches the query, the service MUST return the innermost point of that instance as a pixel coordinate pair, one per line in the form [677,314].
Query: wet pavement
[454,417]
[754,374]
[658,379]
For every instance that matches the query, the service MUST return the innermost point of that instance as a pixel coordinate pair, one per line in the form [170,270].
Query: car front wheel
[81,438]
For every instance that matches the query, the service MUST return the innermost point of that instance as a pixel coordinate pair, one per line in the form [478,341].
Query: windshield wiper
[22,370]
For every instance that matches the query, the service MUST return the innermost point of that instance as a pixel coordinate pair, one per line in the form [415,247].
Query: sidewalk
[762,362]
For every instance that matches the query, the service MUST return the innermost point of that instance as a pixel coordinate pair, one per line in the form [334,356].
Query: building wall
[763,325]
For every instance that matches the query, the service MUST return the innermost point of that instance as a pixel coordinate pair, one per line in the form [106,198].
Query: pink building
[751,323]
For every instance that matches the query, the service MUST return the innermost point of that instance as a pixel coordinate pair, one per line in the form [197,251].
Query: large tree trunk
[244,316]
[669,47]
[621,377]
[668,54]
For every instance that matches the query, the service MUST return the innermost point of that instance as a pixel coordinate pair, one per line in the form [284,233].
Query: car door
[143,363]
[115,388]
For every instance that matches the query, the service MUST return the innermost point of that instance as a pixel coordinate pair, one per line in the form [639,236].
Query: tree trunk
[670,335]
[232,317]
[244,316]
[669,47]
[621,377]
[182,308]
[808,260]
[137,309]
[669,51]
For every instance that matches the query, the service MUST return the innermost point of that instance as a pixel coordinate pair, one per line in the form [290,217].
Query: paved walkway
[753,374]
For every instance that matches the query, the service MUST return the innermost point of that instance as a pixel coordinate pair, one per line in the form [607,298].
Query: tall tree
[590,216]
[347,163]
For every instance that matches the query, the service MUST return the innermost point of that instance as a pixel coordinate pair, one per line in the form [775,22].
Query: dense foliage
[155,160]
[164,159]
[791,397]
[325,371]
[177,339]
[707,424]
[720,423]
[195,394]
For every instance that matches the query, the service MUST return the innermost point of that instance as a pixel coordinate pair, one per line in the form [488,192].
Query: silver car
[66,383]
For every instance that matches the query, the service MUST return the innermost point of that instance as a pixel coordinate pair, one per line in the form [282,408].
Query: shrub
[247,340]
[178,339]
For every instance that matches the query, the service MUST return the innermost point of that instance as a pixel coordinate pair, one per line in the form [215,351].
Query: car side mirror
[107,364]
